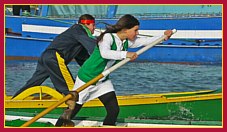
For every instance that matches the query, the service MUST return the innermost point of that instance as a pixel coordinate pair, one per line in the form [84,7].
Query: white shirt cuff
[123,54]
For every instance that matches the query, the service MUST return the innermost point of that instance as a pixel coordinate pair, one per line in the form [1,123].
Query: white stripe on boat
[196,34]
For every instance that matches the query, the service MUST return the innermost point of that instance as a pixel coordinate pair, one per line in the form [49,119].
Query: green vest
[95,64]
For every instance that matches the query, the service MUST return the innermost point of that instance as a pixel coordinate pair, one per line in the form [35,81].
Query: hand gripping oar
[104,73]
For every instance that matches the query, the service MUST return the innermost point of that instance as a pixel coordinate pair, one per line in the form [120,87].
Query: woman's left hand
[168,34]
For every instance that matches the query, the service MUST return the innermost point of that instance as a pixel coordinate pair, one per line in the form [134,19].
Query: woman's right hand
[132,55]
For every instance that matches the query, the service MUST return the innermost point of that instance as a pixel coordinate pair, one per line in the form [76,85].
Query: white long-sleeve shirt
[107,41]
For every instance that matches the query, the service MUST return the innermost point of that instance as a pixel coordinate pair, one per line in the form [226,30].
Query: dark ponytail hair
[125,22]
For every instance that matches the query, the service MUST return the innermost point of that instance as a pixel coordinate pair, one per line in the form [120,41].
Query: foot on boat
[64,123]
[64,120]
[68,123]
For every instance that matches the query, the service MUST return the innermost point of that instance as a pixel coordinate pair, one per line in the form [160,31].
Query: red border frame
[101,2]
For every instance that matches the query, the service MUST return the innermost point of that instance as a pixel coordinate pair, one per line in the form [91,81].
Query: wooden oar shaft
[67,97]
[90,83]
[157,41]
[105,73]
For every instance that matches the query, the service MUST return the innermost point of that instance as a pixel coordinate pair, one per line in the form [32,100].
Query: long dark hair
[125,22]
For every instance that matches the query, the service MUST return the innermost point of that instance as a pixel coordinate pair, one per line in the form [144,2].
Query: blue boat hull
[24,47]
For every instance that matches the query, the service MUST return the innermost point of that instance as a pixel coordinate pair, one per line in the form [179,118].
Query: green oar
[104,73]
